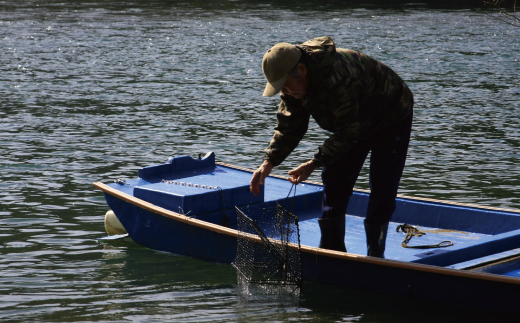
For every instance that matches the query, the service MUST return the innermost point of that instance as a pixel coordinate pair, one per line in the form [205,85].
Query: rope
[226,222]
[412,231]
[294,197]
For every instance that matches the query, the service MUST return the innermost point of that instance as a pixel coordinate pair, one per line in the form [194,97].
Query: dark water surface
[93,90]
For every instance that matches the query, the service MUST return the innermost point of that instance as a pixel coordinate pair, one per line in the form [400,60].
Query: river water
[93,90]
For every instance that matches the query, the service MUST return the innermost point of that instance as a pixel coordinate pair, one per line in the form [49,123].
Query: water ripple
[92,91]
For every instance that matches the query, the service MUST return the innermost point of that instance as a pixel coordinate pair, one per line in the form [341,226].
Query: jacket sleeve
[292,124]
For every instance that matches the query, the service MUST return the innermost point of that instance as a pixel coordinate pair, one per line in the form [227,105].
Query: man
[367,108]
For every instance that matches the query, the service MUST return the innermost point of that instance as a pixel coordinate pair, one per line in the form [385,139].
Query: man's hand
[259,176]
[302,172]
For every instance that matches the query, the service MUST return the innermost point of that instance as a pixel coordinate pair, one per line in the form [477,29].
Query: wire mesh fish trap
[268,251]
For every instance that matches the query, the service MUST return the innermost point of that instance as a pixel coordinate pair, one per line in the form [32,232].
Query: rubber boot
[376,239]
[332,233]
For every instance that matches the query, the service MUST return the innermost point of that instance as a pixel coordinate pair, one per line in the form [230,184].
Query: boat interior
[208,191]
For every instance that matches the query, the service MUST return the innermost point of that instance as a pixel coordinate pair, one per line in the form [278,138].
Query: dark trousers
[388,155]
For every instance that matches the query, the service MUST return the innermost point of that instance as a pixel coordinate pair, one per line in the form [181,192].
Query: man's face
[296,86]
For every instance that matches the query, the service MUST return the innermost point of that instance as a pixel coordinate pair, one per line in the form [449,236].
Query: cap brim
[275,87]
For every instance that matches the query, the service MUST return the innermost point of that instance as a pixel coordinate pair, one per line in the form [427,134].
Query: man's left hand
[302,172]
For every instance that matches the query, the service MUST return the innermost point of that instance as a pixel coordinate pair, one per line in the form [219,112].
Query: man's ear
[302,69]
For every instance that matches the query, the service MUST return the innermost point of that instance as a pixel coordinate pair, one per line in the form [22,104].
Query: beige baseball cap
[276,64]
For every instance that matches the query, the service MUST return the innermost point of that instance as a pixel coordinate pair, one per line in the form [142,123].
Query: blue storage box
[205,187]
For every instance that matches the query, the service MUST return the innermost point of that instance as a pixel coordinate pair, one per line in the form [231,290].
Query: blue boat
[187,207]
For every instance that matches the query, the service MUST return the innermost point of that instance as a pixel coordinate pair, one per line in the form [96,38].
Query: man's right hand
[259,176]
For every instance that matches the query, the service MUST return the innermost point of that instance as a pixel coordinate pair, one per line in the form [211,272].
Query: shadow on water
[342,304]
[184,288]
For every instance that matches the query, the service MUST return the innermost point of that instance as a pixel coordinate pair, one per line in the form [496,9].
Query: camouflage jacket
[349,94]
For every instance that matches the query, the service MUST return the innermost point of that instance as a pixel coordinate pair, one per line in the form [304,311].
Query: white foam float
[112,224]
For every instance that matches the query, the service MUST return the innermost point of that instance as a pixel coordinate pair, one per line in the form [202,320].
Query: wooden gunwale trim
[306,249]
[411,266]
[422,199]
[164,212]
